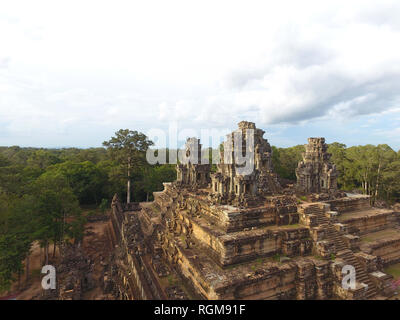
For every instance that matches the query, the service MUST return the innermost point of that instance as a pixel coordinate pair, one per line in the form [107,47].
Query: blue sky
[72,73]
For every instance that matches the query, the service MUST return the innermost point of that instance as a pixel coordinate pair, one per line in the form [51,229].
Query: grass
[394,271]
[169,280]
[277,257]
[257,262]
[291,226]
[379,235]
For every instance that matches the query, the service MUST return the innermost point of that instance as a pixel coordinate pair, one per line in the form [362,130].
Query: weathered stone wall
[315,173]
[350,204]
[388,250]
[278,282]
[231,185]
[249,244]
[369,223]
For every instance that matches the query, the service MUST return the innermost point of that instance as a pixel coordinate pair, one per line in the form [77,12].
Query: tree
[285,160]
[56,210]
[391,181]
[15,240]
[42,159]
[338,151]
[129,148]
[116,178]
[155,176]
[4,162]
[85,179]
[14,248]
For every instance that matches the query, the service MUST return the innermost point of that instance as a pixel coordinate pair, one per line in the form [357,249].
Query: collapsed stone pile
[74,273]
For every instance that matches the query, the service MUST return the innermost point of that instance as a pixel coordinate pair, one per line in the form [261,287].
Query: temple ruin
[315,173]
[229,184]
[193,172]
[235,235]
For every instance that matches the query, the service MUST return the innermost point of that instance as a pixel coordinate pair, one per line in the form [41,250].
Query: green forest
[43,191]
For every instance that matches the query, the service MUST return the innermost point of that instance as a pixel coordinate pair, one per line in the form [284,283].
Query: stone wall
[245,245]
[369,223]
[388,250]
[315,173]
[350,204]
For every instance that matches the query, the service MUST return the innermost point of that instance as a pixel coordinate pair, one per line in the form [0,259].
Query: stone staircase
[341,250]
[334,236]
[361,275]
[318,211]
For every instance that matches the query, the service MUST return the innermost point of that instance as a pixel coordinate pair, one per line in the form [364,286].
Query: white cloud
[74,69]
[316,70]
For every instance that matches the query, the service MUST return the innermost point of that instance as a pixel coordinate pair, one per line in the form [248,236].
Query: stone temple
[316,173]
[193,173]
[229,186]
[233,234]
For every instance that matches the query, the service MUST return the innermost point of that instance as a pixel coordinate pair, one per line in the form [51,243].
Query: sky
[74,72]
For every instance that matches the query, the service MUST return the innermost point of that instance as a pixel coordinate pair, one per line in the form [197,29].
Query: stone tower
[192,172]
[230,184]
[315,173]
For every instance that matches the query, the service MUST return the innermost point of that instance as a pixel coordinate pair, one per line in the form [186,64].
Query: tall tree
[56,210]
[15,240]
[129,148]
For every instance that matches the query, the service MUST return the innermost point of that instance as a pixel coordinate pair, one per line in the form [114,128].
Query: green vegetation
[42,192]
[379,235]
[277,257]
[172,280]
[129,148]
[372,170]
[394,270]
[285,160]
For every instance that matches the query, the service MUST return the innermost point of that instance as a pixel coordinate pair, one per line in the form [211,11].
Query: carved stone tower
[192,172]
[315,173]
[234,185]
